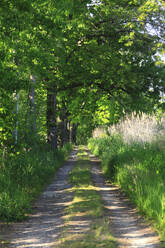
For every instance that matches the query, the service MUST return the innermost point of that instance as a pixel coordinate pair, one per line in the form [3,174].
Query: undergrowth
[139,170]
[23,177]
[86,205]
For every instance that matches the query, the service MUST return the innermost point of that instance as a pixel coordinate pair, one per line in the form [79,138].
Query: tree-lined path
[66,68]
[47,225]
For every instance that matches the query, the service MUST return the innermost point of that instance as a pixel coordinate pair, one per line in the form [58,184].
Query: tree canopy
[93,61]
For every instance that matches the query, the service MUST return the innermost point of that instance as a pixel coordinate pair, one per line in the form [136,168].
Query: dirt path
[129,228]
[46,224]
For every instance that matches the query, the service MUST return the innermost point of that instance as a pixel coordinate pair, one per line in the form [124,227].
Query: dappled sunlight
[83,212]
[85,224]
[46,223]
[78,226]
[80,235]
[127,226]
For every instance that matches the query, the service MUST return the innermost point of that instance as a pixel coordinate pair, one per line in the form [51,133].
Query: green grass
[97,237]
[86,203]
[140,171]
[24,176]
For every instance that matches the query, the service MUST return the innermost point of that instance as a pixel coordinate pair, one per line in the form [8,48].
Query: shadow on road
[46,223]
[127,226]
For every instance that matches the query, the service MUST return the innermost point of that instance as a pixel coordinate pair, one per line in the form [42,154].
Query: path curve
[45,225]
[129,228]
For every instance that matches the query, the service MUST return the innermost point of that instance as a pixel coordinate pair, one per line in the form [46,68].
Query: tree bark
[74,133]
[51,117]
[16,125]
[32,102]
[64,119]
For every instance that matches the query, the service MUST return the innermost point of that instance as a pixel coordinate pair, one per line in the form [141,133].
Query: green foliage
[139,170]
[100,59]
[25,174]
[69,44]
[83,132]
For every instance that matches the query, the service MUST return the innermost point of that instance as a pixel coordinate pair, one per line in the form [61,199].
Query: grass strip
[87,206]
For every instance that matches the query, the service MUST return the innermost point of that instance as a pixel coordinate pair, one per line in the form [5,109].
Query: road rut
[127,226]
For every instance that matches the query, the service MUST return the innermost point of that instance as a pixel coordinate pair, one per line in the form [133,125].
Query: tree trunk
[74,133]
[65,131]
[32,102]
[70,132]
[51,117]
[17,111]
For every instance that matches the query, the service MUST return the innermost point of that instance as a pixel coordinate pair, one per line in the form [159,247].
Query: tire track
[126,225]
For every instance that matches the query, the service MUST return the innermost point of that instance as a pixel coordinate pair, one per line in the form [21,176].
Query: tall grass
[134,158]
[139,128]
[24,175]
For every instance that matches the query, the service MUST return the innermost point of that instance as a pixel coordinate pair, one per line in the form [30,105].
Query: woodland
[66,68]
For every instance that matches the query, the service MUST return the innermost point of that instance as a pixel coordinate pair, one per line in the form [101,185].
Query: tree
[95,61]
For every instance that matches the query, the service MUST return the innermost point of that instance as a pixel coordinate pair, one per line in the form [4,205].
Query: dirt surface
[46,224]
[126,225]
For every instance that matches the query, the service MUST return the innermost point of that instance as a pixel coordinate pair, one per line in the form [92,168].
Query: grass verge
[87,209]
[139,170]
[24,176]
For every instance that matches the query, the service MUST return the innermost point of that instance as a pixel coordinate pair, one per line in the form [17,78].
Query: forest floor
[48,225]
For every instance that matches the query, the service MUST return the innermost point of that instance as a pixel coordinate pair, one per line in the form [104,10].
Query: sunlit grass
[86,204]
[86,199]
[139,128]
[98,236]
[139,170]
